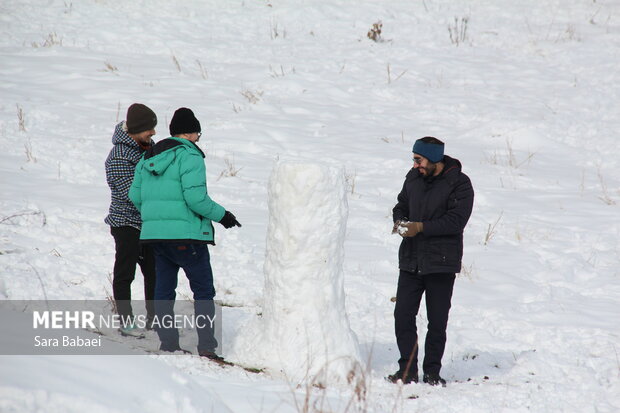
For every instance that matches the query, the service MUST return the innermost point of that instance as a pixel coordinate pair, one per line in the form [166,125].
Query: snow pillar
[304,330]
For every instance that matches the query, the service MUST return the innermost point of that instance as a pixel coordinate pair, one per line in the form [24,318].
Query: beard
[143,138]
[429,170]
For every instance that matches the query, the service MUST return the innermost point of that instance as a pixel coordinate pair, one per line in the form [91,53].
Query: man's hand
[395,228]
[229,220]
[407,229]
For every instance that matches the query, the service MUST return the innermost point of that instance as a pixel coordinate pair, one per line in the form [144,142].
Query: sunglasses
[417,160]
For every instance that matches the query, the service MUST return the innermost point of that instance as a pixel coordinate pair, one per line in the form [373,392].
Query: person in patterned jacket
[131,139]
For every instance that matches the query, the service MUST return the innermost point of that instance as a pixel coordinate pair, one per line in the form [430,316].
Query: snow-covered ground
[525,93]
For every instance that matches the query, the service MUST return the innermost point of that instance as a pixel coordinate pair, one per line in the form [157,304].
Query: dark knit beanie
[184,121]
[431,151]
[140,118]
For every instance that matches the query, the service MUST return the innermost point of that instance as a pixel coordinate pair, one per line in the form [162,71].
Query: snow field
[528,102]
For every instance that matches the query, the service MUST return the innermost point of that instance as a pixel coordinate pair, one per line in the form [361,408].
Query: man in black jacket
[432,211]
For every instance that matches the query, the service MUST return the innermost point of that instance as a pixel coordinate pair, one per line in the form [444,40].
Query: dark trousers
[129,252]
[438,289]
[195,260]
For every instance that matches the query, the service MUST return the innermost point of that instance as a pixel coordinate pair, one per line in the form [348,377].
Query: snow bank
[304,331]
[83,383]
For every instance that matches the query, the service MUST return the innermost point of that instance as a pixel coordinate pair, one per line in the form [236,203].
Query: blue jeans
[195,260]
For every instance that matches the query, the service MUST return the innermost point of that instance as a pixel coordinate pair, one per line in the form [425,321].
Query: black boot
[173,349]
[210,355]
[409,378]
[434,379]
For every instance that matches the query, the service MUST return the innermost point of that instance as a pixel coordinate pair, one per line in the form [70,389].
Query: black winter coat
[443,204]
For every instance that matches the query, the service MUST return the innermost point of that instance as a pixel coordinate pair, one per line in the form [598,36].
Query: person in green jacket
[170,191]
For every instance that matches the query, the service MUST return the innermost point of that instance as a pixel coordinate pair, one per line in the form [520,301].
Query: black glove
[229,220]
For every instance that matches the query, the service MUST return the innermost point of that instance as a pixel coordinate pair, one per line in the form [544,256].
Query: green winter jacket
[170,191]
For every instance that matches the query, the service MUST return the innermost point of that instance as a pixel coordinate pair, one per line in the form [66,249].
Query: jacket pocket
[207,232]
[407,256]
[444,252]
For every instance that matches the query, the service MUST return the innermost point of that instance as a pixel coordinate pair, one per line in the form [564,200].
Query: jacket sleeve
[135,190]
[194,186]
[119,175]
[460,205]
[401,210]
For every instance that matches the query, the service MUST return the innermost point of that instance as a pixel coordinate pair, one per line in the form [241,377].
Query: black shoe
[434,379]
[411,378]
[215,358]
[174,349]
[210,355]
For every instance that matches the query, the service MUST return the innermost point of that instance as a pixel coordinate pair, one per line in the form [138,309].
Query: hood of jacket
[121,137]
[161,155]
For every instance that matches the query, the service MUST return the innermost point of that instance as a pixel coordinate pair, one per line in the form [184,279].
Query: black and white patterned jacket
[119,169]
